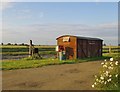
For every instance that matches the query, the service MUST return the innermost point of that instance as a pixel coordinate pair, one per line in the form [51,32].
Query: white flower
[105,60]
[93,86]
[116,75]
[111,59]
[105,82]
[102,81]
[107,72]
[97,80]
[116,63]
[110,75]
[102,63]
[95,76]
[111,63]
[102,78]
[95,83]
[109,80]
[110,67]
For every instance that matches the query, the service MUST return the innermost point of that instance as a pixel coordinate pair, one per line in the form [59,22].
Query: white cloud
[26,14]
[5,5]
[47,33]
[109,26]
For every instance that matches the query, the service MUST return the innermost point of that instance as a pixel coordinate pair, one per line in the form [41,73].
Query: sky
[43,22]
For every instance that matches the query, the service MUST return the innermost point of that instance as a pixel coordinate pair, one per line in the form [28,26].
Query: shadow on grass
[93,59]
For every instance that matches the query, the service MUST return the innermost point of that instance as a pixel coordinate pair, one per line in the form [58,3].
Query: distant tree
[9,44]
[15,44]
[22,44]
[104,44]
[2,44]
[118,44]
[26,44]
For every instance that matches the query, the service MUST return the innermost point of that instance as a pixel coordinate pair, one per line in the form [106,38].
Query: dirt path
[55,77]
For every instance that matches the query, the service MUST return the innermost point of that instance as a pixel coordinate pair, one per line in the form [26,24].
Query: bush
[108,76]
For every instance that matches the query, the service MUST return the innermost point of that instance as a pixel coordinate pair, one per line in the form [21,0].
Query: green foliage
[116,56]
[31,63]
[15,49]
[44,50]
[92,59]
[108,76]
[23,50]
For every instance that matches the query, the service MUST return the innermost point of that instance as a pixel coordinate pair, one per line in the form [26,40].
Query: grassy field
[23,50]
[43,50]
[63,73]
[34,63]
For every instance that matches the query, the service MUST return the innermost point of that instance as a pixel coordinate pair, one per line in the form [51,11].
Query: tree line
[22,44]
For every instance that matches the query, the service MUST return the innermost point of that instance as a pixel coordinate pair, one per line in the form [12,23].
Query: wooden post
[30,48]
[110,49]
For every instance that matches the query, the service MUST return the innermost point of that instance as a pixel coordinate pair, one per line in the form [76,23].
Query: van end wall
[72,44]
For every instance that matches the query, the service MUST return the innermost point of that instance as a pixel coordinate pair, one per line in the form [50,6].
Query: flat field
[48,73]
[46,51]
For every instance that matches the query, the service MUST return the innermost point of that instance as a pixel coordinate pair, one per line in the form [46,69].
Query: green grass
[43,50]
[26,53]
[25,49]
[34,63]
[15,46]
[93,59]
[116,56]
[14,53]
[23,64]
[22,50]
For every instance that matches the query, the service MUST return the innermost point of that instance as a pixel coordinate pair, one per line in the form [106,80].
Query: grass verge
[34,63]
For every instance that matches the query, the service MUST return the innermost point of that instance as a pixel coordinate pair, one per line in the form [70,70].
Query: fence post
[30,48]
[110,49]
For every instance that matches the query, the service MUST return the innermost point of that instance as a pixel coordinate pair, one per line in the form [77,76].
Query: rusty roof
[80,37]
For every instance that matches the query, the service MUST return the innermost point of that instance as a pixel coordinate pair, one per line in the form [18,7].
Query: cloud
[26,14]
[22,13]
[47,33]
[109,26]
[5,4]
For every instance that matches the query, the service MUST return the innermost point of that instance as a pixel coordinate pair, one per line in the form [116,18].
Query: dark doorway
[69,52]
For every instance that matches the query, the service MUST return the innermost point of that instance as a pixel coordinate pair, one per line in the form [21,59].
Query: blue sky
[44,22]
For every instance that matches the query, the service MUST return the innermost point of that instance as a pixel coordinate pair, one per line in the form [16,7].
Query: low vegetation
[31,62]
[37,62]
[108,78]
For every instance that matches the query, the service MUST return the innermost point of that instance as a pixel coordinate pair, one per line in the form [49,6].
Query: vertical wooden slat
[30,48]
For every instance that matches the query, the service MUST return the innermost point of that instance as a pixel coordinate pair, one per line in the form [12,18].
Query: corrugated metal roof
[80,37]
